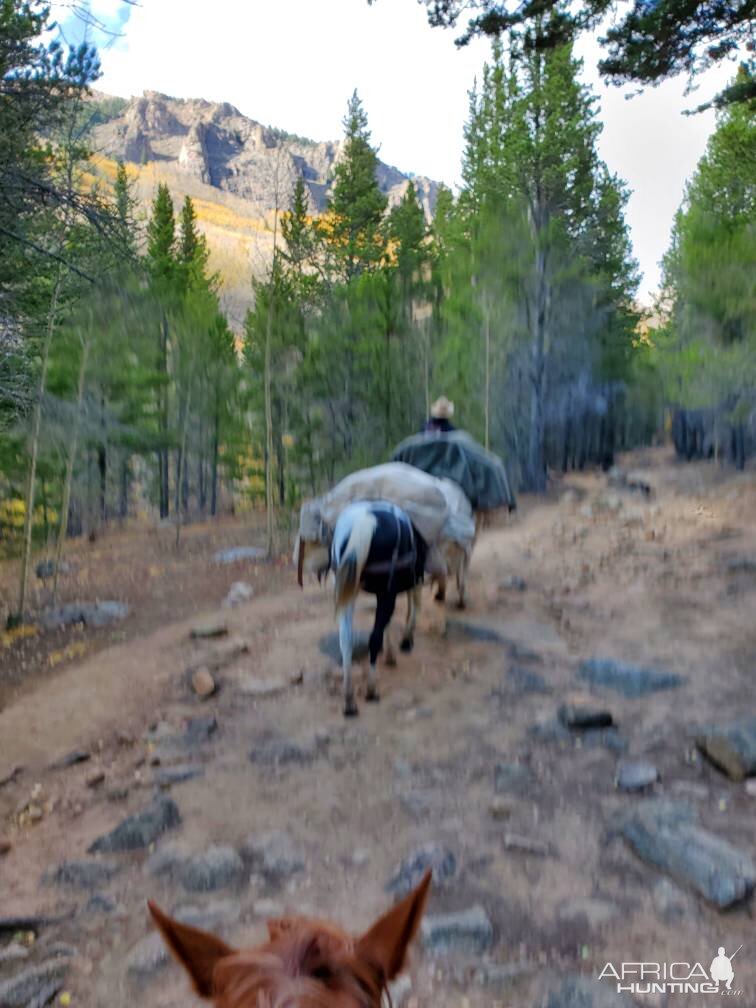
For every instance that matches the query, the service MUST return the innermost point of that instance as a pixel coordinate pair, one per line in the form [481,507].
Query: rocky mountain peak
[213,143]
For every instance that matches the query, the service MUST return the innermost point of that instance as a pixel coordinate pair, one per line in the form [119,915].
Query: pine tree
[192,251]
[162,268]
[357,205]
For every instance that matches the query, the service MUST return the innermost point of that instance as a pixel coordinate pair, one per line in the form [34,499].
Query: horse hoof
[461,604]
[372,696]
[407,644]
[439,597]
[351,709]
[391,660]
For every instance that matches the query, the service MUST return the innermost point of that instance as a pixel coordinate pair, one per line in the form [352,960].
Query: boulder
[731,748]
[141,829]
[410,872]
[82,874]
[630,680]
[666,834]
[27,987]
[216,868]
[468,931]
[274,854]
[94,614]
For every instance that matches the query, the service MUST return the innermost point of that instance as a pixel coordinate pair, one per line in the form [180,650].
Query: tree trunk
[123,504]
[163,407]
[214,462]
[536,452]
[34,449]
[70,463]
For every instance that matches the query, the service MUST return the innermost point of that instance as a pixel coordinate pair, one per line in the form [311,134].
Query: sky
[294,63]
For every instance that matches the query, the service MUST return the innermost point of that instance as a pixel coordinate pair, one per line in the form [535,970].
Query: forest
[125,393]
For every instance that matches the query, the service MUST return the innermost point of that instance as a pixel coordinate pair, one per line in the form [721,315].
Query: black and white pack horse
[374,548]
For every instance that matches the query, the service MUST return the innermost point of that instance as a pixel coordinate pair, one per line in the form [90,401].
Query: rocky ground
[562,754]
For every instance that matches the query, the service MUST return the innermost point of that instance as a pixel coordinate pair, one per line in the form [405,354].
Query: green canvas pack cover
[456,456]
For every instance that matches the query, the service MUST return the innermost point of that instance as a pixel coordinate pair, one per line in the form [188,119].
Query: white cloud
[294,63]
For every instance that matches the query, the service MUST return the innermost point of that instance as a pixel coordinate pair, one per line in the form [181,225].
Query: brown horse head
[305,963]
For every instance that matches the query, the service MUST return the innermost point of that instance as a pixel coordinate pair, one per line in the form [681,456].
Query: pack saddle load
[437,508]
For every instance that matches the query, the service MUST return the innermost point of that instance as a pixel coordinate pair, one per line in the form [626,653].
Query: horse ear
[385,944]
[197,951]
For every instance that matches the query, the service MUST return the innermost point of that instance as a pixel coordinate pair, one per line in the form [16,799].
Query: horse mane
[306,964]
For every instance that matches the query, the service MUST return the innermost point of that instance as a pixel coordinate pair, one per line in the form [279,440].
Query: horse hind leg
[462,583]
[345,643]
[413,604]
[384,610]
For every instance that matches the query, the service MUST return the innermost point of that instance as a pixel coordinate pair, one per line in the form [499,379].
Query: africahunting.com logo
[676,977]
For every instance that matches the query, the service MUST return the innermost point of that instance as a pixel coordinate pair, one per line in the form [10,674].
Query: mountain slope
[235,169]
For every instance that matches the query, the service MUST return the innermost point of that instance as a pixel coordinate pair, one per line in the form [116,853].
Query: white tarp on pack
[438,508]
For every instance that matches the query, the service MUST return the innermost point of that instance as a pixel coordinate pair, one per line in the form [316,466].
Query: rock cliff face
[214,144]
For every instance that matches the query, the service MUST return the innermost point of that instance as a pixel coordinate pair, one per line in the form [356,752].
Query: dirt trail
[458,752]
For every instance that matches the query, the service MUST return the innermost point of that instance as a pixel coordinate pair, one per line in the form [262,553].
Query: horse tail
[353,559]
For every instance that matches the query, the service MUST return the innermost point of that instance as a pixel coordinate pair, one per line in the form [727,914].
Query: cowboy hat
[442,409]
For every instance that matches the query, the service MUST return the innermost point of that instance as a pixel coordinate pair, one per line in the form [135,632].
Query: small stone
[147,956]
[70,759]
[9,776]
[511,778]
[690,789]
[526,845]
[141,829]
[203,683]
[239,593]
[501,808]
[275,751]
[26,988]
[583,992]
[199,730]
[635,775]
[117,794]
[212,628]
[361,858]
[96,778]
[526,681]
[168,776]
[252,686]
[670,901]
[581,716]
[440,860]
[467,931]
[237,553]
[216,868]
[212,916]
[99,903]
[82,874]
[14,952]
[167,859]
[274,854]
[218,657]
[595,913]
